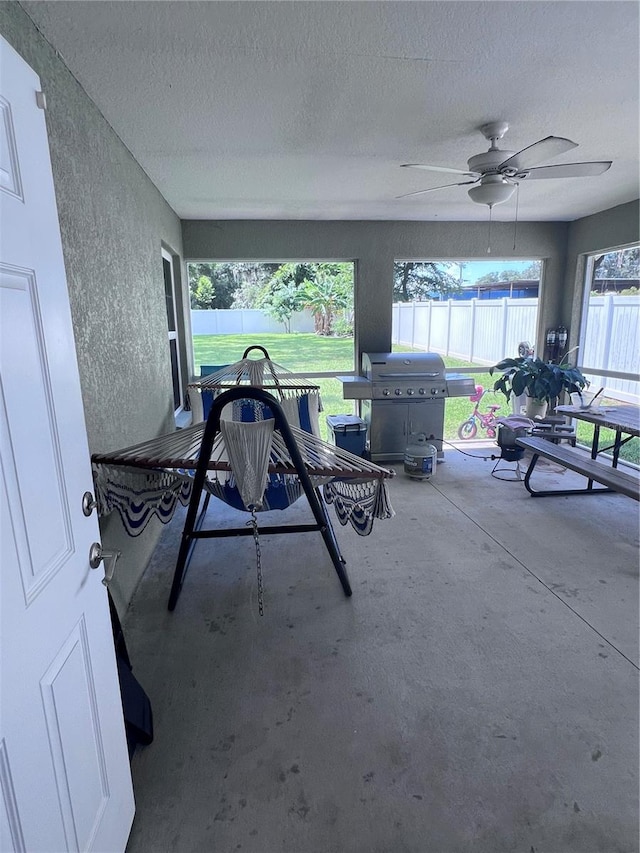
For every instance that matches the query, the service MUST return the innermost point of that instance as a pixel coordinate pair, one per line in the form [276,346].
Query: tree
[532,271]
[283,304]
[203,293]
[324,288]
[423,280]
[324,297]
[221,279]
[622,264]
[235,284]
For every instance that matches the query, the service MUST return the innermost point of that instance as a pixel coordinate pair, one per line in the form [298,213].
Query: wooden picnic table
[624,420]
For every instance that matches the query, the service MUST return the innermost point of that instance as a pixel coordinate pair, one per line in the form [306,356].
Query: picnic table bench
[611,479]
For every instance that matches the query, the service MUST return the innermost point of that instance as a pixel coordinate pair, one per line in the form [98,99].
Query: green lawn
[309,353]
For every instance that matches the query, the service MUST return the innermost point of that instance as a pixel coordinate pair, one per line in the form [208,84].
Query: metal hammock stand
[193,531]
[149,479]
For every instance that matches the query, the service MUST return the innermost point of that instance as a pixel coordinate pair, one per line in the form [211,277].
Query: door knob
[97,555]
[89,503]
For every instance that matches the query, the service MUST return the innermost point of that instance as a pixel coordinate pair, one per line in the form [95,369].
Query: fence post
[505,319]
[413,324]
[608,327]
[449,309]
[429,319]
[473,329]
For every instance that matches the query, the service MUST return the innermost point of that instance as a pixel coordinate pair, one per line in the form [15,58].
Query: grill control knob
[410,392]
[434,390]
[398,392]
[421,391]
[385,392]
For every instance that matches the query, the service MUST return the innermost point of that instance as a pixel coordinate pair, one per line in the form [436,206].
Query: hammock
[299,397]
[151,478]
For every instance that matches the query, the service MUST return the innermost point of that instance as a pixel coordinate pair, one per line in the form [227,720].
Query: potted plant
[540,381]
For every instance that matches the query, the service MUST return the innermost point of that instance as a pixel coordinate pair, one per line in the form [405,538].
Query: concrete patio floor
[478,692]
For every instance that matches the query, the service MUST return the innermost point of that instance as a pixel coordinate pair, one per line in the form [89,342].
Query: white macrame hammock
[249,448]
[149,479]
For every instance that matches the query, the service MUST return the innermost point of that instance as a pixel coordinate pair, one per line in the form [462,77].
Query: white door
[65,780]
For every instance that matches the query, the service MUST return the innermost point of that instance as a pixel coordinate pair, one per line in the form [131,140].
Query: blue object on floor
[349,432]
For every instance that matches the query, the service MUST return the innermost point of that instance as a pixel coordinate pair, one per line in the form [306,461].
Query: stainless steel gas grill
[403,394]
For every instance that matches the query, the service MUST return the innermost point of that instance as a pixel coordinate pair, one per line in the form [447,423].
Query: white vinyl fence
[481,331]
[613,342]
[245,321]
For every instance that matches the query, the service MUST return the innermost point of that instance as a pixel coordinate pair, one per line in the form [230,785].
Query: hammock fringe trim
[249,466]
[139,495]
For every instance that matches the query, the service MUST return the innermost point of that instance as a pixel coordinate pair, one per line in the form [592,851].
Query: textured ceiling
[305,110]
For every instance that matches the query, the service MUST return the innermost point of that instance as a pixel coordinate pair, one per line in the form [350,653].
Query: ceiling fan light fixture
[494,189]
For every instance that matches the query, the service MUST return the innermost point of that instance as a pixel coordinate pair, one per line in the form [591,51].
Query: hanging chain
[254,524]
[515,224]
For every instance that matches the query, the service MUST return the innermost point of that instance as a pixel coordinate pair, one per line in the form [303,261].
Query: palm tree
[324,297]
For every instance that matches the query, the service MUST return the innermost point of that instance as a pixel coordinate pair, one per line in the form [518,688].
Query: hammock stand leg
[192,527]
[187,545]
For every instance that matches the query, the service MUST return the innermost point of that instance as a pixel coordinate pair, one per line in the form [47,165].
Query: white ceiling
[305,110]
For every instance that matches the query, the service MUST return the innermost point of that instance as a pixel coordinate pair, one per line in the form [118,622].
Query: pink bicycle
[487,420]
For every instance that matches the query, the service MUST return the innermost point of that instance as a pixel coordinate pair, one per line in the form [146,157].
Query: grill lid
[402,366]
[414,375]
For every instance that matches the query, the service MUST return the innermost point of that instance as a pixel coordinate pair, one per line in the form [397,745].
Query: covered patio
[477,693]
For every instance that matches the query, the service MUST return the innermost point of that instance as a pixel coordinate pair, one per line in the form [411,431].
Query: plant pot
[535,408]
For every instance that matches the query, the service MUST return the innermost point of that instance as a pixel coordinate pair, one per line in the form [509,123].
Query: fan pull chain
[489,237]
[254,524]
[515,225]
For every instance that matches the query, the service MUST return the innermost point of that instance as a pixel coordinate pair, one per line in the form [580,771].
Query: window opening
[300,311]
[170,302]
[473,314]
[609,345]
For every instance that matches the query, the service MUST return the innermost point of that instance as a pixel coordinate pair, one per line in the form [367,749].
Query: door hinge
[41,100]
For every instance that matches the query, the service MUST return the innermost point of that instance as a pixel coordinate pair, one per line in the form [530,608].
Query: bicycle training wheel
[467,430]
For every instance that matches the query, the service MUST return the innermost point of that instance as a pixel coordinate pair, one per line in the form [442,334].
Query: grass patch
[309,353]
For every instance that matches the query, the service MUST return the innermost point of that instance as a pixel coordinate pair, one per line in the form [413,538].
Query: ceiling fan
[496,173]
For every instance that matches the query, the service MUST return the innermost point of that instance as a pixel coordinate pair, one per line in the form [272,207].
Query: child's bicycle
[487,420]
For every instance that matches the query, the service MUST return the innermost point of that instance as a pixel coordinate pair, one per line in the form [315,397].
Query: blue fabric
[207,396]
[275,495]
[303,413]
[250,411]
[207,402]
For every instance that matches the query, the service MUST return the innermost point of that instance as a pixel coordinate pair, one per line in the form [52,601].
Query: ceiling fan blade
[543,149]
[428,168]
[432,189]
[567,170]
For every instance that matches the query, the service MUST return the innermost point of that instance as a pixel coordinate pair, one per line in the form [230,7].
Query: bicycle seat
[493,409]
